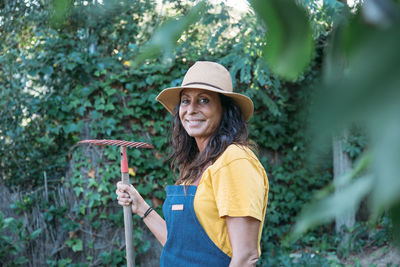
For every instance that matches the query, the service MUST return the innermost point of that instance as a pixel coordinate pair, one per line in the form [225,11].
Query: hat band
[204,84]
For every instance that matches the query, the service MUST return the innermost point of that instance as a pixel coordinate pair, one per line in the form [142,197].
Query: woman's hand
[128,195]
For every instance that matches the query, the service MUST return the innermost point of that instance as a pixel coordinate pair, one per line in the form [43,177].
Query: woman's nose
[192,108]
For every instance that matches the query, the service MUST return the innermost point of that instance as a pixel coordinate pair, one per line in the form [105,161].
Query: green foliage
[366,234]
[309,259]
[13,239]
[114,258]
[356,143]
[323,16]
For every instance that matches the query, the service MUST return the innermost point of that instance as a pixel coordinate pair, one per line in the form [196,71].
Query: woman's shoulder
[236,152]
[240,160]
[240,151]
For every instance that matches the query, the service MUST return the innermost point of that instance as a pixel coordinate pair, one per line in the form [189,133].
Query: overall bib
[188,245]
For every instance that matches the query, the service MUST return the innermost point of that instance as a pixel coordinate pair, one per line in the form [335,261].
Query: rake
[130,256]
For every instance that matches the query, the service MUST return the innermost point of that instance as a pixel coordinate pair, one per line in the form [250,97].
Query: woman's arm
[157,225]
[128,195]
[243,235]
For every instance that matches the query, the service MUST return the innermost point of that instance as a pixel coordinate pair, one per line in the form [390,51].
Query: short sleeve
[239,189]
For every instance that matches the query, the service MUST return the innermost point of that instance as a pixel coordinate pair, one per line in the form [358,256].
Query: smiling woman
[215,212]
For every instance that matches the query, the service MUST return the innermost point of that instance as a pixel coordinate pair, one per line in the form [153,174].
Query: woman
[215,212]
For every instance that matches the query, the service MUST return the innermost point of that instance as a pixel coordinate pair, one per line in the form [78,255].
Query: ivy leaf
[109,107]
[33,72]
[35,234]
[267,101]
[77,246]
[289,41]
[47,70]
[78,190]
[86,91]
[8,221]
[82,209]
[71,127]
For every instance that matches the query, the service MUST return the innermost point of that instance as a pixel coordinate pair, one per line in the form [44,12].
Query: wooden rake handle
[130,254]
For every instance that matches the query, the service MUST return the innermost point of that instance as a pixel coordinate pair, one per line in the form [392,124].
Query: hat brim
[169,98]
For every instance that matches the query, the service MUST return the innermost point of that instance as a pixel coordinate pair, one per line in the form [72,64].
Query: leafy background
[73,70]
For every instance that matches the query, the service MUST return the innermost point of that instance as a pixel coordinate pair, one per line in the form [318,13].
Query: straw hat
[209,76]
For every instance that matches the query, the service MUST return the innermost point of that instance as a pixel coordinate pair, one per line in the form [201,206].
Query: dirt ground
[375,256]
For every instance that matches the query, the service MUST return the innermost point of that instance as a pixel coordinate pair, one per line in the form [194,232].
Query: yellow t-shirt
[235,185]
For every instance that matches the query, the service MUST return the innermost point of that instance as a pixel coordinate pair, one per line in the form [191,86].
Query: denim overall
[187,244]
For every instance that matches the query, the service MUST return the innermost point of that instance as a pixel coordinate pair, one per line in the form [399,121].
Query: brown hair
[185,155]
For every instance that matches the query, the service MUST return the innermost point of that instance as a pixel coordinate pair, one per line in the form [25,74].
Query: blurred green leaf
[371,79]
[59,11]
[289,41]
[328,203]
[165,38]
[339,202]
[386,134]
[361,167]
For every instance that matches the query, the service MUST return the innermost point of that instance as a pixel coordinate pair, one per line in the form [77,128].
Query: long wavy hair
[186,156]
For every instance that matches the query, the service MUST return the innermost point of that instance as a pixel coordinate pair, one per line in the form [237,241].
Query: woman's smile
[194,122]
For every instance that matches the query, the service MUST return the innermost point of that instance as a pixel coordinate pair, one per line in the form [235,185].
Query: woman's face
[200,112]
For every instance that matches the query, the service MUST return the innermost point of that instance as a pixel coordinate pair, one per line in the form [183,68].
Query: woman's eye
[204,100]
[185,101]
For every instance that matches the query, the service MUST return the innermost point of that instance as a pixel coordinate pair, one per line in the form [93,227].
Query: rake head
[120,143]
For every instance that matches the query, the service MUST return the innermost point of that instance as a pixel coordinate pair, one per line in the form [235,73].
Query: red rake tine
[130,144]
[130,257]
